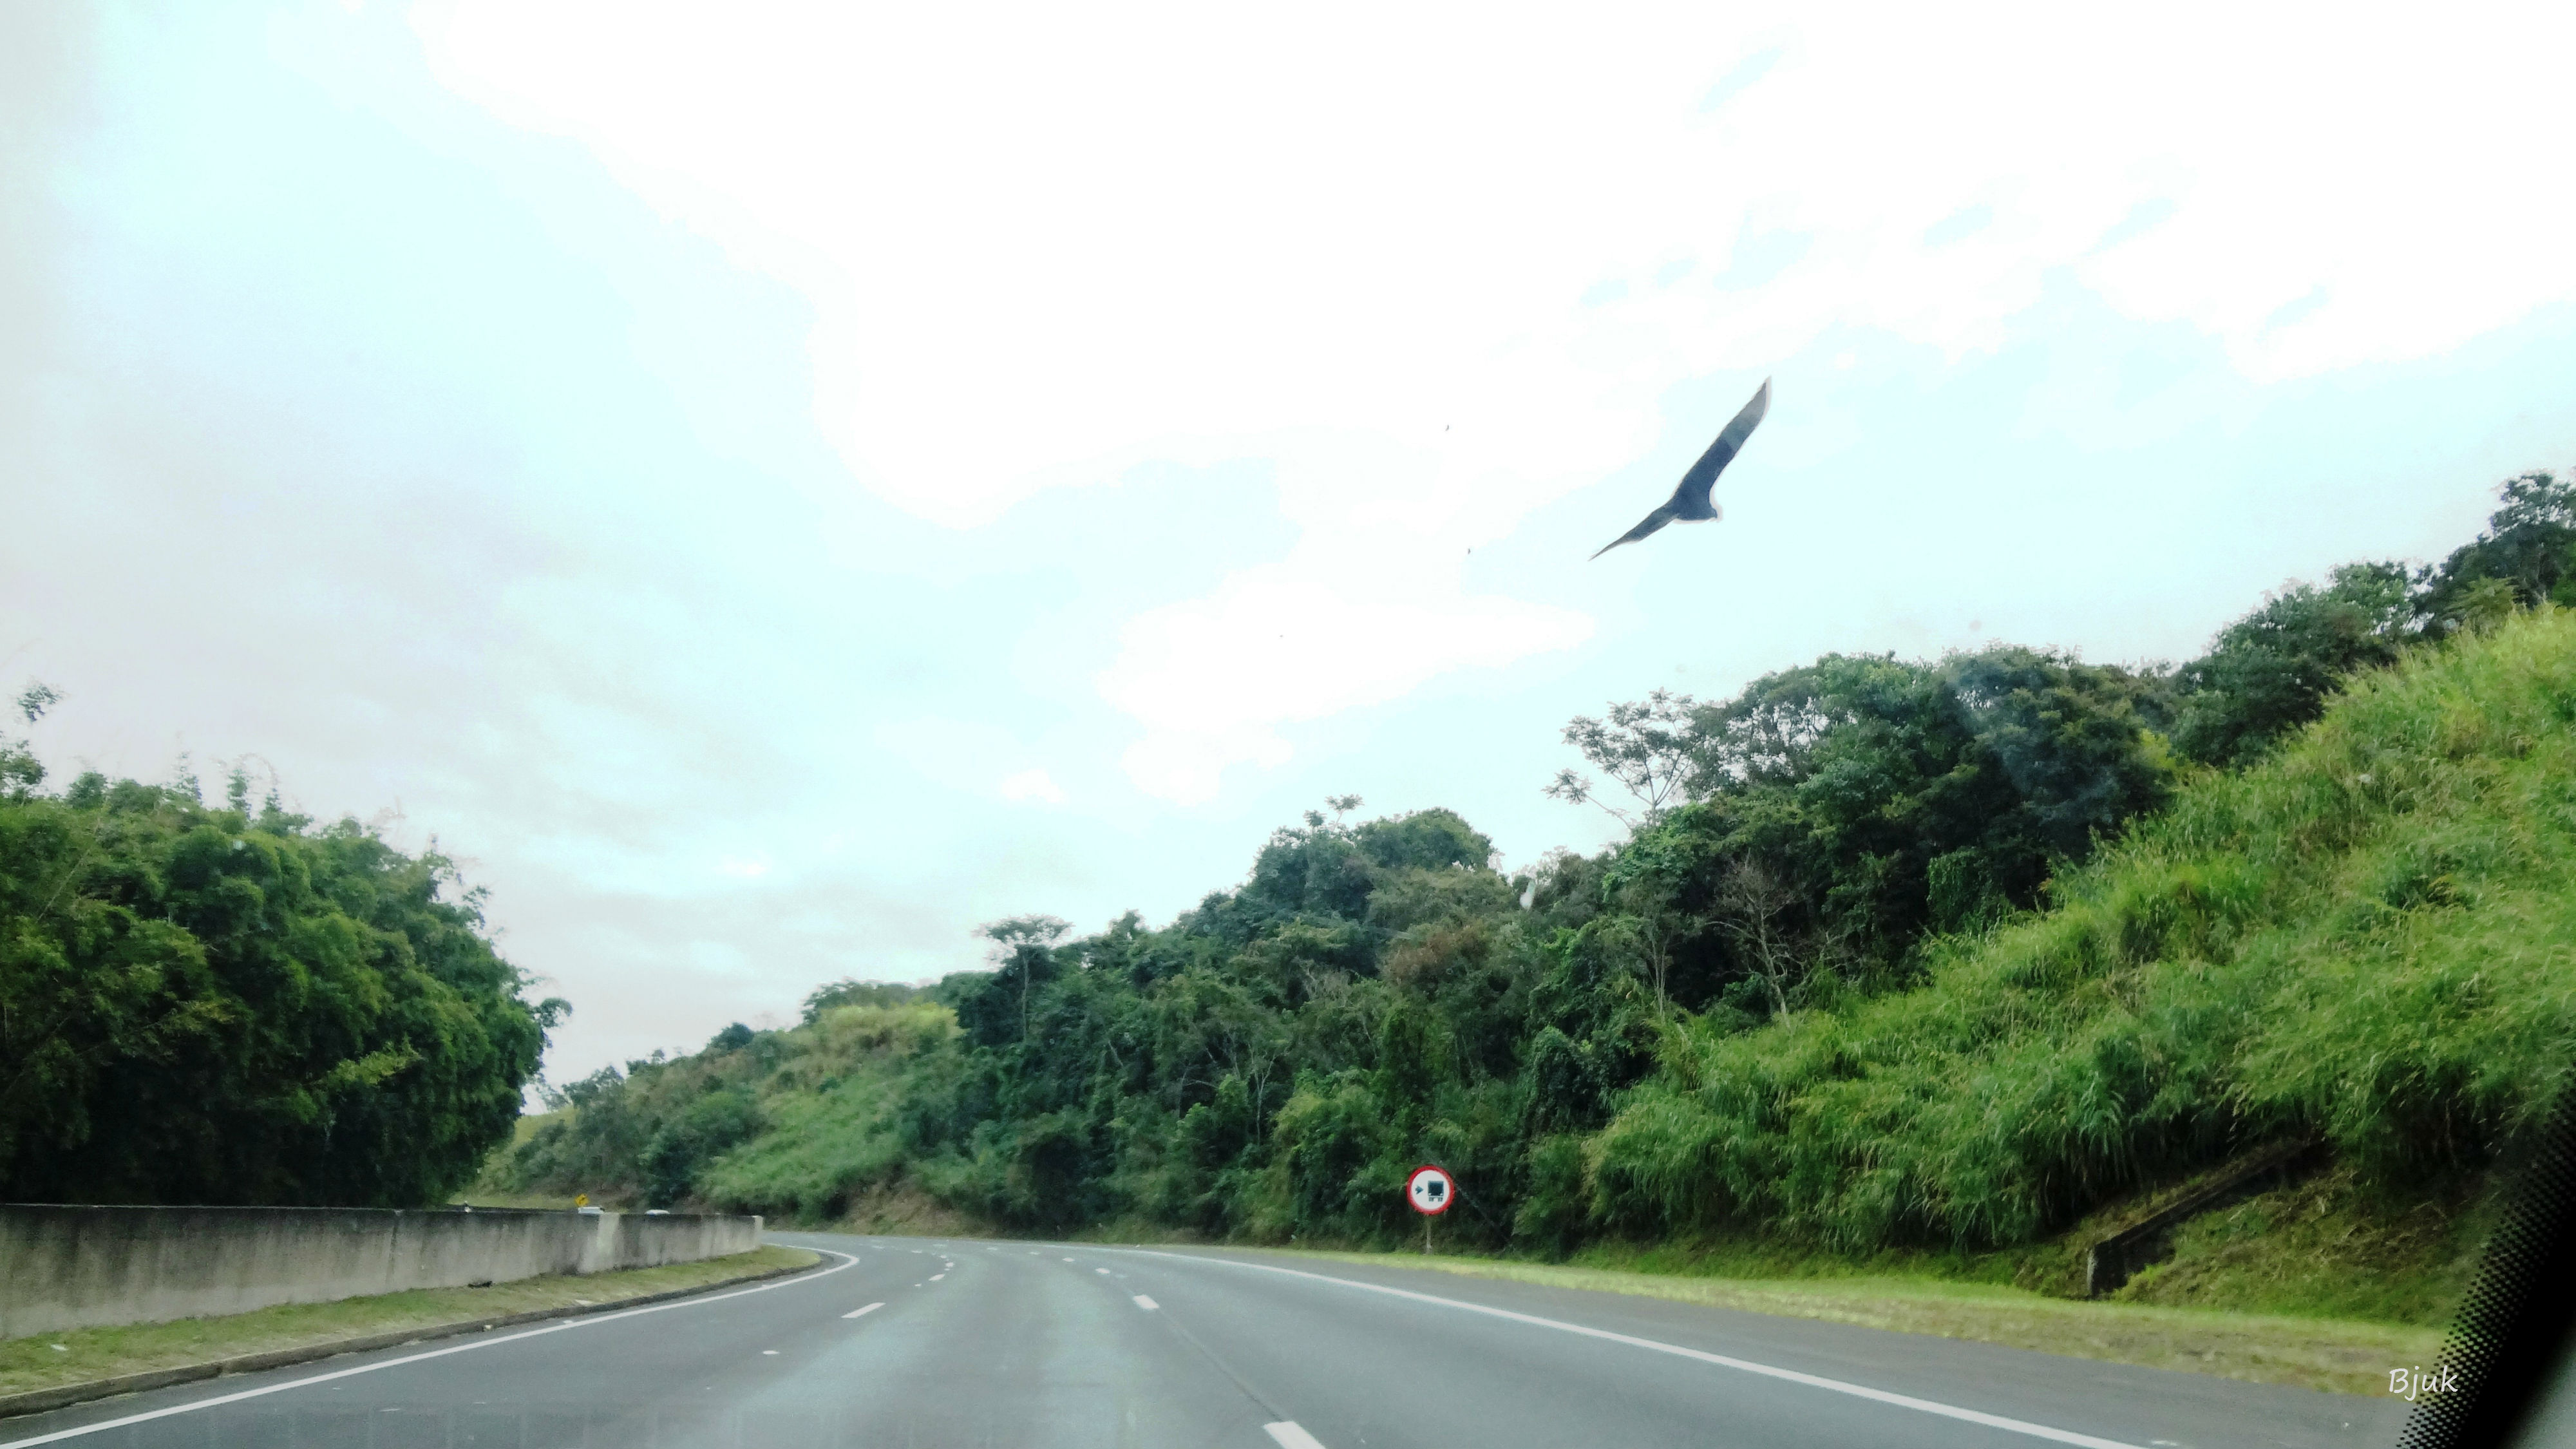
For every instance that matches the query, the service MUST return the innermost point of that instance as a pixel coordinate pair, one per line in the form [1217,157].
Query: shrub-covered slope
[2369,937]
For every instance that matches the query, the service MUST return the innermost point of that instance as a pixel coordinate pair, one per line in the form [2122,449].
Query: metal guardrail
[2117,1258]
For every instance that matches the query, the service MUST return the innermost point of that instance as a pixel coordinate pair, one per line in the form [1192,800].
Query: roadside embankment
[90,1267]
[50,1370]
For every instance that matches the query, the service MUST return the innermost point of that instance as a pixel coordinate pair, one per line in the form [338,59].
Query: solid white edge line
[1148,1304]
[1813,1381]
[863,1312]
[584,1321]
[1290,1436]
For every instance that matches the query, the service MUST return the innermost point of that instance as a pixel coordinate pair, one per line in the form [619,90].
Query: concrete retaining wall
[88,1267]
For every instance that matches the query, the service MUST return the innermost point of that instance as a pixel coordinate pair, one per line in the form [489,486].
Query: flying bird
[1690,502]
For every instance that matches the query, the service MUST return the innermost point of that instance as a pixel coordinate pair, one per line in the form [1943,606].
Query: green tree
[20,771]
[1023,958]
[849,991]
[203,1005]
[1846,779]
[2270,672]
[2529,543]
[1647,747]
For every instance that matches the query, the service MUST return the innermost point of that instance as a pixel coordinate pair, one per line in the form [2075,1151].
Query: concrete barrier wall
[88,1267]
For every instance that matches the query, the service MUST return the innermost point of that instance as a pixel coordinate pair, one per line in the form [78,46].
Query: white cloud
[752,869]
[1032,785]
[1211,678]
[1365,608]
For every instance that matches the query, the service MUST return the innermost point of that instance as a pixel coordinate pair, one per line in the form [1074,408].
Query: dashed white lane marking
[1068,1260]
[863,1312]
[1148,1304]
[935,1277]
[1813,1381]
[1290,1436]
[769,1353]
[585,1321]
[1103,1272]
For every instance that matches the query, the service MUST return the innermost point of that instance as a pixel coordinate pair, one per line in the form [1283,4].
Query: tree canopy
[230,1005]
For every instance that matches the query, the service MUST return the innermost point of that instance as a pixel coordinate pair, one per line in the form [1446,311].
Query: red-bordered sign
[1430,1190]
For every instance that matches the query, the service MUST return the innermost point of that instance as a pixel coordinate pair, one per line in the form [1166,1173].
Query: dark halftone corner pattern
[2505,1344]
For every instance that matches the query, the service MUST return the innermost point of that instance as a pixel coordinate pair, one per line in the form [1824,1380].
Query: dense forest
[226,1004]
[1892,952]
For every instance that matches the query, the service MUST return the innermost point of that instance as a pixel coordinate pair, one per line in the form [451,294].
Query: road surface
[955,1343]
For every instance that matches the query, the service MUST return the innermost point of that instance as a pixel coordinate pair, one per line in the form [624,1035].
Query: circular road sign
[1430,1190]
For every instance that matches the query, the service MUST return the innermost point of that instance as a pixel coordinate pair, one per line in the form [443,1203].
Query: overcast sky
[772,486]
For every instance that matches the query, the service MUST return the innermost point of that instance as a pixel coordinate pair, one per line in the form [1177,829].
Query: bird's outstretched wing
[1646,525]
[1690,500]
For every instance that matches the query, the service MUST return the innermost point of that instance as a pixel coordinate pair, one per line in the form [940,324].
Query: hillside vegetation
[2365,938]
[1897,960]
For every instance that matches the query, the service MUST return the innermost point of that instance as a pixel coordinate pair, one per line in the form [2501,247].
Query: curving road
[955,1343]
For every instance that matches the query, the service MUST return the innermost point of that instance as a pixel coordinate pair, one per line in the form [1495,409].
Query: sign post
[1430,1190]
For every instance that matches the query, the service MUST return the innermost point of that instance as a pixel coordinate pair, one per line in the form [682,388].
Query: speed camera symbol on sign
[1430,1191]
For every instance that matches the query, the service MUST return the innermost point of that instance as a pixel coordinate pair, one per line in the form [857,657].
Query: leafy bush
[207,1005]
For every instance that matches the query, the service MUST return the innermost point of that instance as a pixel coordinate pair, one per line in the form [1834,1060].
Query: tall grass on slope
[2371,938]
[828,1133]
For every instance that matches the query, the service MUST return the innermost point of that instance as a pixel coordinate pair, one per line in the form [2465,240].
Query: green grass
[501,1198]
[83,1355]
[2369,938]
[2332,1247]
[822,1151]
[2307,1352]
[2328,1246]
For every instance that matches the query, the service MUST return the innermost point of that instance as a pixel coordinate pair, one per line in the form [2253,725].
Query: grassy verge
[2329,1245]
[537,1201]
[88,1354]
[2316,1353]
[906,1209]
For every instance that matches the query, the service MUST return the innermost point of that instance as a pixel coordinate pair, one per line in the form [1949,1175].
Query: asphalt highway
[956,1343]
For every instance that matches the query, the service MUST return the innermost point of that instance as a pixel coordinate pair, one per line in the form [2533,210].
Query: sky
[770,487]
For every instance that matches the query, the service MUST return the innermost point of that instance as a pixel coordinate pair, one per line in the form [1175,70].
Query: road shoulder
[2327,1354]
